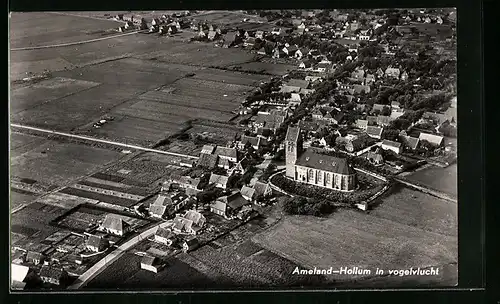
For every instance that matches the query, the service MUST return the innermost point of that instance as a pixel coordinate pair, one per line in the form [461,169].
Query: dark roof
[191,242]
[51,272]
[236,201]
[309,125]
[207,160]
[254,141]
[391,143]
[33,255]
[328,163]
[371,119]
[292,134]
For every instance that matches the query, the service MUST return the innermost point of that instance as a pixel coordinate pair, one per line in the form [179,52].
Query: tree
[386,111]
[390,134]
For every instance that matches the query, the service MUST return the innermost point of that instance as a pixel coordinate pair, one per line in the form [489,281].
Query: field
[126,273]
[402,232]
[40,29]
[56,163]
[442,179]
[273,69]
[228,17]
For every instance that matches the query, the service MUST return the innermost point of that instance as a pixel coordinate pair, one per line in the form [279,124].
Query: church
[316,169]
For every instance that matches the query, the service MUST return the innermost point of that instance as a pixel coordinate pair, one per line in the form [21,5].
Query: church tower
[293,146]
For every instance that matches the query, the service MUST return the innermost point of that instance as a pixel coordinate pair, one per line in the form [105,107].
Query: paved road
[97,268]
[102,141]
[71,43]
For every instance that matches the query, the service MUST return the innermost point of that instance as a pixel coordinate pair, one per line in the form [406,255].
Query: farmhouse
[374,132]
[96,243]
[150,263]
[362,124]
[208,161]
[165,236]
[392,72]
[248,193]
[115,225]
[358,143]
[391,145]
[316,169]
[183,225]
[53,275]
[431,138]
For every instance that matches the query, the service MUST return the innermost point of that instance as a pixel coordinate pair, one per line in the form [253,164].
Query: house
[253,141]
[196,218]
[261,51]
[220,181]
[378,108]
[35,258]
[395,105]
[113,224]
[190,244]
[250,41]
[248,193]
[301,52]
[260,34]
[409,142]
[278,53]
[53,275]
[165,236]
[372,120]
[242,166]
[431,138]
[208,161]
[357,143]
[96,243]
[360,89]
[362,124]
[391,145]
[404,76]
[208,149]
[228,206]
[262,189]
[306,65]
[395,114]
[358,74]
[230,154]
[323,68]
[278,31]
[374,132]
[374,158]
[392,72]
[182,225]
[434,118]
[290,50]
[150,263]
[313,79]
[383,120]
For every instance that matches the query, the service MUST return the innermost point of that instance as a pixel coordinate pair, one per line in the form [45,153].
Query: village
[371,99]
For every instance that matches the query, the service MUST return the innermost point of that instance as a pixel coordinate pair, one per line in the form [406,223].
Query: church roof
[338,165]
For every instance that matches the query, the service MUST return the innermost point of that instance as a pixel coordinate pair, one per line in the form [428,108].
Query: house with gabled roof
[248,193]
[392,72]
[220,181]
[231,154]
[165,236]
[374,132]
[391,145]
[431,138]
[151,263]
[53,275]
[262,189]
[409,142]
[35,257]
[384,120]
[208,161]
[253,141]
[362,124]
[374,158]
[190,244]
[229,205]
[96,243]
[306,65]
[113,224]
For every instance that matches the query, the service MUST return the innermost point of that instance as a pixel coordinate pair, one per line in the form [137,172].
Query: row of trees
[303,206]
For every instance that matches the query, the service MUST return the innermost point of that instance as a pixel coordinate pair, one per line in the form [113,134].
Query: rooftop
[328,163]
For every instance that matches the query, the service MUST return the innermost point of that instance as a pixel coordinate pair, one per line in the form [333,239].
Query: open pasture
[199,54]
[30,29]
[231,77]
[30,97]
[19,197]
[110,199]
[68,113]
[21,143]
[59,163]
[442,179]
[387,242]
